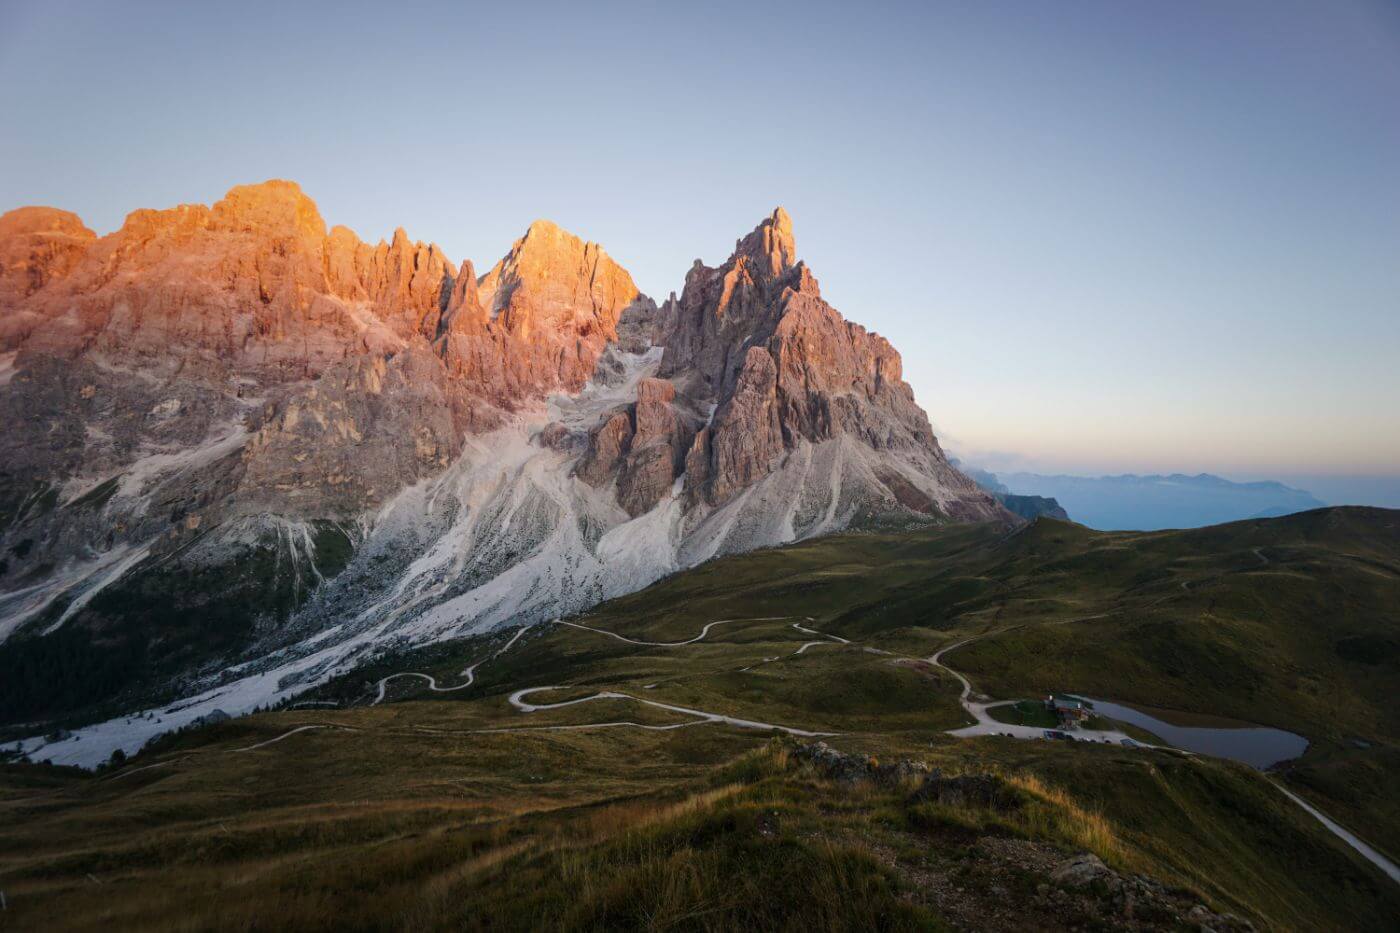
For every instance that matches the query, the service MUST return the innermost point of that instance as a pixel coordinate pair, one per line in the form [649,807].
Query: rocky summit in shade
[244,452]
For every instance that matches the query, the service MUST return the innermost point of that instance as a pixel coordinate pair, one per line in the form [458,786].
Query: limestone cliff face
[254,283]
[724,309]
[642,445]
[407,282]
[199,323]
[747,434]
[236,393]
[38,246]
[322,346]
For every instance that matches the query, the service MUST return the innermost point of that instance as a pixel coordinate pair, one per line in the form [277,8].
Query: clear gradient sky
[1105,236]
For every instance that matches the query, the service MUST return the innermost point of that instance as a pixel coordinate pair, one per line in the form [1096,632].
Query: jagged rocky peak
[770,246]
[272,207]
[410,283]
[552,304]
[783,368]
[310,351]
[38,245]
[734,304]
[553,280]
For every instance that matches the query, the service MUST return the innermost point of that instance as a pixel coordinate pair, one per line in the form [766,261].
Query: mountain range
[245,452]
[1027,507]
[1132,502]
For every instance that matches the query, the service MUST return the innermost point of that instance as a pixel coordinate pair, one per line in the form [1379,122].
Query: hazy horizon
[1382,490]
[1104,238]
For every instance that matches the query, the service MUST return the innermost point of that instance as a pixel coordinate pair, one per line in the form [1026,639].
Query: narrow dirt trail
[517,699]
[667,644]
[289,733]
[705,631]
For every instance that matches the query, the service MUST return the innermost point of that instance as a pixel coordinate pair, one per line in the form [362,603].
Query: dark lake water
[1259,746]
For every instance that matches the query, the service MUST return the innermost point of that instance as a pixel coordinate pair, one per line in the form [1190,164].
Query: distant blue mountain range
[1146,503]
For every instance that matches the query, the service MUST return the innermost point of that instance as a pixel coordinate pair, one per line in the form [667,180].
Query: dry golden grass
[1065,818]
[631,817]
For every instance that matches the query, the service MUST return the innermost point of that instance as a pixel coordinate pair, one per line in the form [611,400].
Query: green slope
[407,814]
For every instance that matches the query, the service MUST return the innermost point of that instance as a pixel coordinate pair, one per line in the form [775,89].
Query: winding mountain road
[812,631]
[518,701]
[829,639]
[469,673]
[1369,854]
[802,649]
[984,724]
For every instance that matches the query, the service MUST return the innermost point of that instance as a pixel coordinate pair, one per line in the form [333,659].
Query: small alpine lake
[1258,746]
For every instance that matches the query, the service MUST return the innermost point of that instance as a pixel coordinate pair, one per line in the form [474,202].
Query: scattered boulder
[557,436]
[1077,889]
[211,718]
[1083,870]
[1137,897]
[839,766]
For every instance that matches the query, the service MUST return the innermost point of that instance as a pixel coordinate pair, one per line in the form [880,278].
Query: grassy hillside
[1291,622]
[459,810]
[409,823]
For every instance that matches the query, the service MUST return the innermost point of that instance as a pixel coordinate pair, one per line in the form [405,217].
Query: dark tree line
[63,671]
